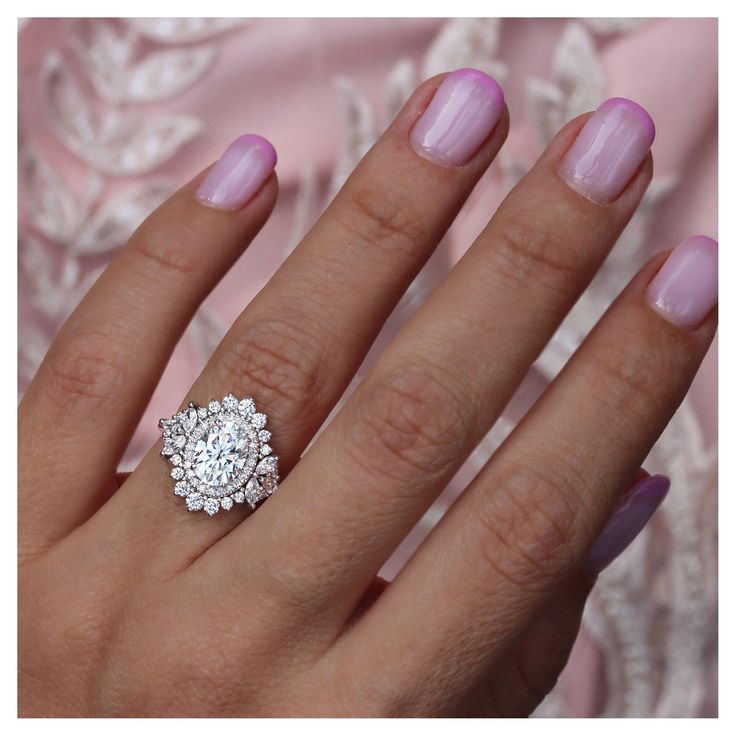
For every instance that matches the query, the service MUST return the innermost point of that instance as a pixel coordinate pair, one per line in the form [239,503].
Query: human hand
[129,606]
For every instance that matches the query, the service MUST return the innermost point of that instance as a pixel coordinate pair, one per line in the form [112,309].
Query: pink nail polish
[628,519]
[464,110]
[609,149]
[685,288]
[239,174]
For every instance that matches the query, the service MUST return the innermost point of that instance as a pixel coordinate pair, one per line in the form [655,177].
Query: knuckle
[378,216]
[89,371]
[529,528]
[160,253]
[409,421]
[625,378]
[527,252]
[277,360]
[392,696]
[387,700]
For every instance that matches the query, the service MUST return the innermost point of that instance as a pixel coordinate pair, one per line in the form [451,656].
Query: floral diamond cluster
[220,455]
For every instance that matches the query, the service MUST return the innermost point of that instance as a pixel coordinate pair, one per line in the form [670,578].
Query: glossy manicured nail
[630,516]
[685,288]
[239,174]
[609,149]
[464,110]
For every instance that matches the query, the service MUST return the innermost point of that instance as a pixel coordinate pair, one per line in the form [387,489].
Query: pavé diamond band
[220,455]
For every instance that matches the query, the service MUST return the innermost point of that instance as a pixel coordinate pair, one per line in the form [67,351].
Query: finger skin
[297,345]
[528,672]
[438,388]
[530,669]
[527,522]
[99,373]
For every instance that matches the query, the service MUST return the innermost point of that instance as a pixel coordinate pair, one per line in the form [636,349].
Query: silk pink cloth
[275,77]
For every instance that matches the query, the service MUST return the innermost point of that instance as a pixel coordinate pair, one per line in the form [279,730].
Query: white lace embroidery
[114,136]
[653,612]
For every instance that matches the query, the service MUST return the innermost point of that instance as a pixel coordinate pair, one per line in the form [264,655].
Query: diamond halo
[220,455]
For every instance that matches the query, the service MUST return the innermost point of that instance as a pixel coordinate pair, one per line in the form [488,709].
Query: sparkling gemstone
[195,502]
[212,506]
[214,407]
[247,406]
[265,450]
[253,492]
[259,421]
[181,488]
[239,497]
[176,459]
[226,503]
[220,453]
[230,403]
[264,435]
[189,419]
[177,473]
[267,466]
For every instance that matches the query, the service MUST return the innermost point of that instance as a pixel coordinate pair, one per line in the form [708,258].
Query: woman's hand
[130,606]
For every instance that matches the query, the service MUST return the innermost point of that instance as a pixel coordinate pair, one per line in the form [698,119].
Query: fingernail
[630,516]
[685,288]
[239,174]
[464,110]
[609,149]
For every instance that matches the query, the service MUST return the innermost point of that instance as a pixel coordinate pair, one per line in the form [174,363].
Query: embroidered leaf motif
[116,219]
[547,105]
[576,86]
[206,329]
[109,61]
[135,144]
[399,86]
[577,70]
[466,42]
[68,113]
[612,26]
[167,73]
[183,30]
[359,131]
[48,202]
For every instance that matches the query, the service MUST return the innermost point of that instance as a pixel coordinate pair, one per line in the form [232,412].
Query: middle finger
[451,370]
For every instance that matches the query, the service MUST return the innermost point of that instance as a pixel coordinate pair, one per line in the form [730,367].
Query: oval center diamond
[220,454]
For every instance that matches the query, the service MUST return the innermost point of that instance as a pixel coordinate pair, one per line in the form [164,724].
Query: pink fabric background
[276,78]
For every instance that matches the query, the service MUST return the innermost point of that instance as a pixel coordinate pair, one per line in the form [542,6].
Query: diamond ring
[220,455]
